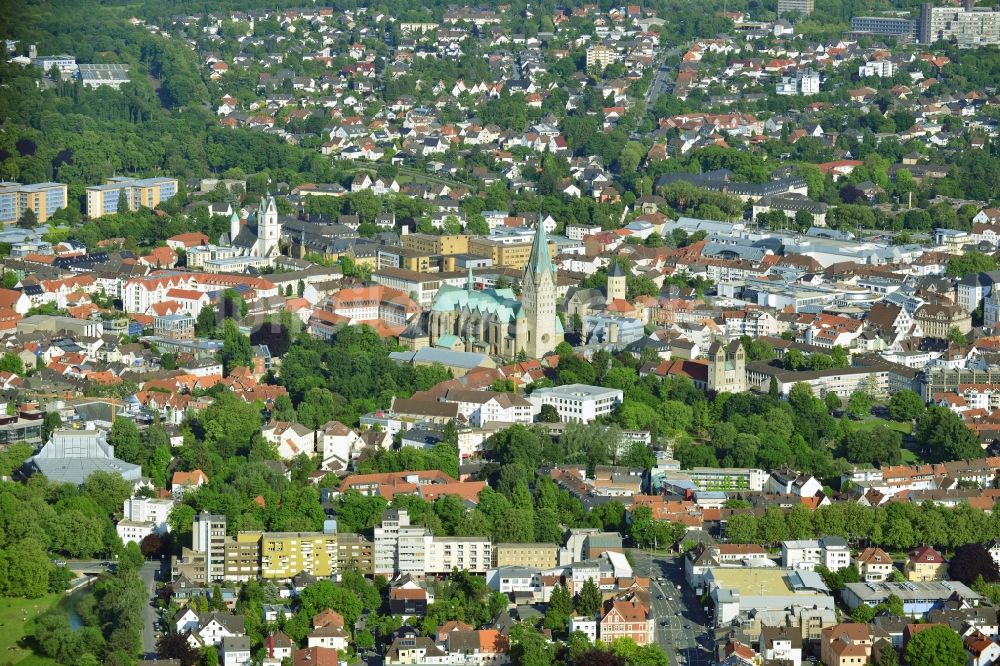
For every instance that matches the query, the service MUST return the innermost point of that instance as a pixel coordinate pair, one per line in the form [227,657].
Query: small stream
[69,603]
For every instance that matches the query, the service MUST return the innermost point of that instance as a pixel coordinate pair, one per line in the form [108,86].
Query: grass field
[16,621]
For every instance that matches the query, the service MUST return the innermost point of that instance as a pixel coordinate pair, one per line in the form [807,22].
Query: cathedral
[259,238]
[495,321]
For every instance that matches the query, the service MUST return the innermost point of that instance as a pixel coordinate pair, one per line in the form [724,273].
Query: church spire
[539,261]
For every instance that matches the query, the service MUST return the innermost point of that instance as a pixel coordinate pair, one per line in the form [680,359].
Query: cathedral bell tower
[538,298]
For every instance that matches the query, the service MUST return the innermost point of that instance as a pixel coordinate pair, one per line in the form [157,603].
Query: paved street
[662,77]
[685,636]
[150,616]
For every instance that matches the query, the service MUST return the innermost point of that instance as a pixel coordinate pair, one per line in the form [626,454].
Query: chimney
[270,646]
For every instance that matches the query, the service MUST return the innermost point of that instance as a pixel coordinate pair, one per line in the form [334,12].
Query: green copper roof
[540,261]
[501,301]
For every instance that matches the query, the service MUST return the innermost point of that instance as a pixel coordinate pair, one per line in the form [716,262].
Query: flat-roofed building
[242,557]
[285,554]
[528,555]
[96,75]
[147,192]
[919,598]
[355,551]
[578,403]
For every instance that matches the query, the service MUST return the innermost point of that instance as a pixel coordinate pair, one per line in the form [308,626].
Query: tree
[28,219]
[52,421]
[529,647]
[124,436]
[175,646]
[969,263]
[943,435]
[12,363]
[548,414]
[859,405]
[589,599]
[204,325]
[906,406]
[832,401]
[878,446]
[107,489]
[936,646]
[971,561]
[236,349]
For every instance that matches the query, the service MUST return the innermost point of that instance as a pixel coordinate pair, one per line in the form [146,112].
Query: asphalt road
[662,78]
[685,637]
[150,616]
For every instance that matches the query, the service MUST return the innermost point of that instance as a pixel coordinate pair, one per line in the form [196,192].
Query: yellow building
[43,199]
[242,554]
[284,554]
[145,193]
[925,564]
[432,244]
[355,551]
[510,255]
[532,555]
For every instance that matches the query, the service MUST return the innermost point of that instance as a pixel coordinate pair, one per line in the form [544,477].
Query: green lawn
[16,621]
[870,422]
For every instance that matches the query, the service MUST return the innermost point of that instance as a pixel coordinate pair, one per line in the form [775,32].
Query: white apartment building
[830,552]
[483,407]
[802,82]
[473,554]
[586,625]
[386,538]
[884,69]
[579,403]
[412,548]
[208,536]
[143,516]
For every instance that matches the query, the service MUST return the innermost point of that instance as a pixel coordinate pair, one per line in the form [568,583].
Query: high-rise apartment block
[43,199]
[803,7]
[967,25]
[148,192]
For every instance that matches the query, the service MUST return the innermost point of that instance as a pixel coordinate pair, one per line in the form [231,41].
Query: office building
[386,539]
[903,29]
[803,7]
[578,403]
[43,199]
[445,554]
[148,192]
[968,25]
[919,598]
[801,82]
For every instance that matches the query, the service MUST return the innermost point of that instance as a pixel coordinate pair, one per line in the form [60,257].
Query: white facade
[578,403]
[142,516]
[830,552]
[474,554]
[586,625]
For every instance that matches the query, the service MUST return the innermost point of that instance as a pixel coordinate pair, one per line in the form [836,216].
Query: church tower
[234,227]
[727,367]
[267,227]
[616,282]
[538,298]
